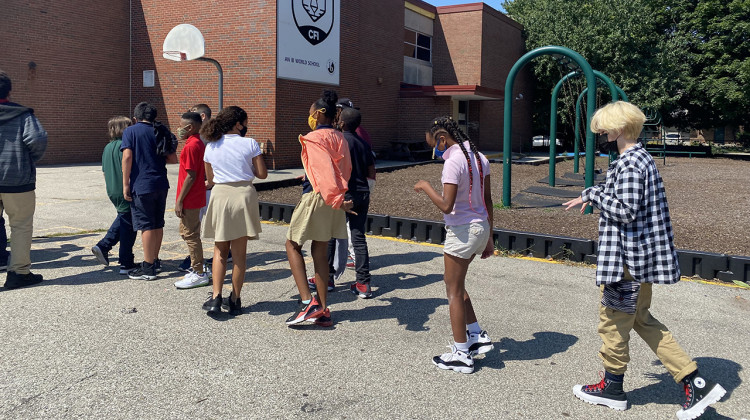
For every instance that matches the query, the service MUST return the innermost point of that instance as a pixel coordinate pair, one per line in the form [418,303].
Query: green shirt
[112,168]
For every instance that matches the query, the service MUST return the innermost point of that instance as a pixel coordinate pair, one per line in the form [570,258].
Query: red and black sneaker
[361,289]
[305,312]
[606,392]
[324,320]
[699,394]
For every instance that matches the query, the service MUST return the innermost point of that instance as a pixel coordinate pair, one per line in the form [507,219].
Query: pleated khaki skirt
[314,220]
[232,212]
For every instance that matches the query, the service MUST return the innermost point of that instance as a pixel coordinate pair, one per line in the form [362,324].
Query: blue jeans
[4,254]
[121,231]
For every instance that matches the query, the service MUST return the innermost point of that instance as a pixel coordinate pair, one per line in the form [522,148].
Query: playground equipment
[652,135]
[184,43]
[614,91]
[567,58]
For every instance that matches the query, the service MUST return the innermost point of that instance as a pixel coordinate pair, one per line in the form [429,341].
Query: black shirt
[362,158]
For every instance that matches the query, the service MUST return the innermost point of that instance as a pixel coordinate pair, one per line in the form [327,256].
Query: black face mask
[243,131]
[606,146]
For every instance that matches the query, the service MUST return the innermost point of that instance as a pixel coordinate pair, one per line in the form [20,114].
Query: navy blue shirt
[149,171]
[362,158]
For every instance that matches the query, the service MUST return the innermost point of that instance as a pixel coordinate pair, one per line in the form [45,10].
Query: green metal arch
[588,73]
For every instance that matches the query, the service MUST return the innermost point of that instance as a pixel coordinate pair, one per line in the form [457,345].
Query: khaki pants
[614,330]
[20,210]
[190,230]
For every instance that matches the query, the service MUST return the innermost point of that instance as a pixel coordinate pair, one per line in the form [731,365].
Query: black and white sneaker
[455,360]
[479,343]
[157,265]
[145,272]
[606,392]
[212,305]
[127,268]
[185,265]
[699,393]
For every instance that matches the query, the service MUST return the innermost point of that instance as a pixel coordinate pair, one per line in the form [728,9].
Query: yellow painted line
[712,282]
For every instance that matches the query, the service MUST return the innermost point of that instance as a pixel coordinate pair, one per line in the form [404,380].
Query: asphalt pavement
[90,343]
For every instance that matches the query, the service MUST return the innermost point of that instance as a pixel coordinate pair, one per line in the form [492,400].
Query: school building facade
[401,62]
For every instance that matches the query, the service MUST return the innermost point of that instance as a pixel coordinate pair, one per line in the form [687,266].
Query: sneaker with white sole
[191,280]
[145,272]
[311,284]
[606,392]
[456,360]
[699,393]
[126,269]
[479,343]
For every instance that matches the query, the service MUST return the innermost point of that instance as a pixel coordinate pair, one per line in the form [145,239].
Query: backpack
[166,142]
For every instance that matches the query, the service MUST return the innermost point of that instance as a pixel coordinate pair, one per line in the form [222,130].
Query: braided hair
[450,126]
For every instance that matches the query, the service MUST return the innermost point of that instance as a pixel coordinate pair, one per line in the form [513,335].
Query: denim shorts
[148,210]
[464,241]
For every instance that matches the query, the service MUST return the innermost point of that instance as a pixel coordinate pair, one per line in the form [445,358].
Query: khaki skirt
[232,212]
[314,220]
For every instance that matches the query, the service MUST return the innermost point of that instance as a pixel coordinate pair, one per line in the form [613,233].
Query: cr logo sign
[314,19]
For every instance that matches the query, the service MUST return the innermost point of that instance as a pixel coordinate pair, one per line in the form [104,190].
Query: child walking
[121,229]
[191,197]
[319,215]
[466,204]
[636,249]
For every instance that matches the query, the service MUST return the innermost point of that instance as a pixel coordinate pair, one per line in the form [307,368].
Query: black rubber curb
[706,265]
[270,185]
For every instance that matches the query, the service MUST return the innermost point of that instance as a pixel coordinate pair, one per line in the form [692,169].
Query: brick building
[402,63]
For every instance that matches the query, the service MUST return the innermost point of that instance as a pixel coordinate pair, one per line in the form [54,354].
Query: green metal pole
[622,94]
[508,110]
[553,125]
[576,147]
[610,84]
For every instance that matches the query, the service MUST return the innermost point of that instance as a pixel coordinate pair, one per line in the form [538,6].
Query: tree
[688,59]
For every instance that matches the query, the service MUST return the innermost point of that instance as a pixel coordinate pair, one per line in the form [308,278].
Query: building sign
[307,40]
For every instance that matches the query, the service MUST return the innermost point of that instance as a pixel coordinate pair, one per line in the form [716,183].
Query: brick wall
[240,35]
[79,75]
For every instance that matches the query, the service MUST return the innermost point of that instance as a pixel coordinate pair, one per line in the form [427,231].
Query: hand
[126,193]
[489,250]
[178,210]
[347,207]
[421,185]
[574,202]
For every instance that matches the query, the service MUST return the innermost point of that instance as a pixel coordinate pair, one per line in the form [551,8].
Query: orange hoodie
[325,156]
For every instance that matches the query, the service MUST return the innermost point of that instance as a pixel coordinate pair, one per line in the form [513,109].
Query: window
[417,45]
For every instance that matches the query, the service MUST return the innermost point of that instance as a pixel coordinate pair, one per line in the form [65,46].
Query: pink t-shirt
[456,171]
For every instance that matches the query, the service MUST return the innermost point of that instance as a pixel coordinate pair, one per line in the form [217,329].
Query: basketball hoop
[183,42]
[175,55]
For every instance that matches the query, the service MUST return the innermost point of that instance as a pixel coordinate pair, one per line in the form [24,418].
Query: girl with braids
[467,206]
[319,215]
[232,217]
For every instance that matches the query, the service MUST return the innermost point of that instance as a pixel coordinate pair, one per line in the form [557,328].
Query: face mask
[437,152]
[182,132]
[243,131]
[312,122]
[607,146]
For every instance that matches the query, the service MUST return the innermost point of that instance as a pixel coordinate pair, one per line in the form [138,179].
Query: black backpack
[166,142]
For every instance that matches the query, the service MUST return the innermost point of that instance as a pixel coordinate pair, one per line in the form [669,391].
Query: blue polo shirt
[149,171]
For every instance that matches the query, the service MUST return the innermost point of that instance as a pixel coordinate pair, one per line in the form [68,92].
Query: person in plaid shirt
[636,250]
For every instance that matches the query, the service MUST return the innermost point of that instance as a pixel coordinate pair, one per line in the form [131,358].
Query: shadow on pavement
[389,260]
[666,391]
[544,345]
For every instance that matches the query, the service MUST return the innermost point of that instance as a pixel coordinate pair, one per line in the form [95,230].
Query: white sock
[464,347]
[474,328]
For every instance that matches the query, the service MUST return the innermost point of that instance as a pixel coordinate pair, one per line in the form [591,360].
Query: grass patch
[63,234]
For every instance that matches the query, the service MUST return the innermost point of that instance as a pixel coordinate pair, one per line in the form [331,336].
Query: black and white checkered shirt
[635,229]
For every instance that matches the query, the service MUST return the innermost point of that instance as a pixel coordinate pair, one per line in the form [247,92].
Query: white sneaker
[191,280]
[455,360]
[479,343]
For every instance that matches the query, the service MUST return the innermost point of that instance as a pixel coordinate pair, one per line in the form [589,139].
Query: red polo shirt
[191,159]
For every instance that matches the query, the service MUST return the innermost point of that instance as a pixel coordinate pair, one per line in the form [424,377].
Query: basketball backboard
[183,42]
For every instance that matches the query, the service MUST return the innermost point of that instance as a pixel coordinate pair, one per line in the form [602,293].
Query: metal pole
[553,126]
[221,79]
[508,110]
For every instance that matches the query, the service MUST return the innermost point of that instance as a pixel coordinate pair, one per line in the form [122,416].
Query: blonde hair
[117,125]
[619,116]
